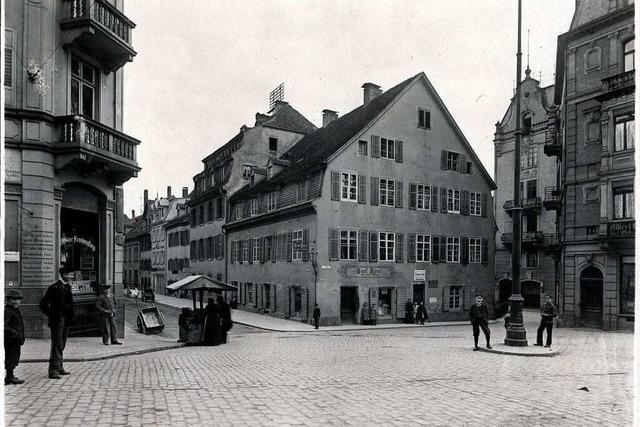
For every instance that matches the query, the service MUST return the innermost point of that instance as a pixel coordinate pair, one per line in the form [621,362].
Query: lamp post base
[516,334]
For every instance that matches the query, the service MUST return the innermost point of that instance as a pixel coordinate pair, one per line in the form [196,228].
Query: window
[249,293]
[8,58]
[349,245]
[220,208]
[387,246]
[624,136]
[629,52]
[623,204]
[469,168]
[271,202]
[297,299]
[245,250]
[256,249]
[455,297]
[349,187]
[273,144]
[269,248]
[423,197]
[210,211]
[83,88]
[387,148]
[239,210]
[423,248]
[526,124]
[254,207]
[201,218]
[452,161]
[531,222]
[201,253]
[387,192]
[475,253]
[529,189]
[362,148]
[424,118]
[592,58]
[296,240]
[453,201]
[531,259]
[627,288]
[529,157]
[453,249]
[475,204]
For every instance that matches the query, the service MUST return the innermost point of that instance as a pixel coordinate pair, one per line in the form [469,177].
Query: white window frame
[389,148]
[453,158]
[271,202]
[256,247]
[388,249]
[453,200]
[296,240]
[455,297]
[254,207]
[423,248]
[351,187]
[453,250]
[475,203]
[387,192]
[350,239]
[628,138]
[82,82]
[621,202]
[239,207]
[423,197]
[245,251]
[475,250]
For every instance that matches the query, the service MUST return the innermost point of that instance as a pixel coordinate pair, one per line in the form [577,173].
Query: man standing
[547,314]
[479,316]
[316,316]
[57,305]
[408,308]
[108,306]
[13,335]
[225,317]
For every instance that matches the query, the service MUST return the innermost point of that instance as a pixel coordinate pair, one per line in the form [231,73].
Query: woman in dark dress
[212,331]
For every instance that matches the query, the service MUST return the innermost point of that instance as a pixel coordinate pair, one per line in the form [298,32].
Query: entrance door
[348,304]
[504,293]
[591,297]
[530,291]
[418,293]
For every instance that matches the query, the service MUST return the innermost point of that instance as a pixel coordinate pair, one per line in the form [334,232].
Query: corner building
[66,155]
[384,204]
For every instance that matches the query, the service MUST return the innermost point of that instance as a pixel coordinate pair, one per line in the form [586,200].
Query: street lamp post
[516,334]
[313,256]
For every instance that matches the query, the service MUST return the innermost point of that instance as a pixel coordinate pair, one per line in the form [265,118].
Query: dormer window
[273,144]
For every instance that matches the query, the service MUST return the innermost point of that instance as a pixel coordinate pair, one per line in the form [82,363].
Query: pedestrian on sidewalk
[421,313]
[225,318]
[108,307]
[13,335]
[365,318]
[408,308]
[374,315]
[479,316]
[547,315]
[57,305]
[316,315]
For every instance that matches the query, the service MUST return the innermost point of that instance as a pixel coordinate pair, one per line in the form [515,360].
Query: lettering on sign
[419,275]
[433,300]
[433,284]
[11,256]
[13,165]
[37,256]
[368,272]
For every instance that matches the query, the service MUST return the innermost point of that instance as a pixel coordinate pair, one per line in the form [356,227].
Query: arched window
[526,124]
[629,51]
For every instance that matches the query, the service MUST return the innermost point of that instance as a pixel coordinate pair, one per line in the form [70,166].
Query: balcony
[552,143]
[100,30]
[93,147]
[530,204]
[552,198]
[618,84]
[529,238]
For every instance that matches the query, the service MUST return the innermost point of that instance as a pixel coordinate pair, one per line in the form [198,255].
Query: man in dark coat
[211,335]
[408,318]
[13,335]
[421,313]
[479,316]
[316,316]
[108,306]
[547,313]
[57,305]
[225,317]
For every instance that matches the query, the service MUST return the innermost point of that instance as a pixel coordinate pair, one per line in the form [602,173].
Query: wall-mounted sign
[325,267]
[433,284]
[433,300]
[368,272]
[11,256]
[13,165]
[419,275]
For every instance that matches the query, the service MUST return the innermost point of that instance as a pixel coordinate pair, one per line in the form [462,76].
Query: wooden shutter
[375,146]
[462,164]
[485,251]
[443,200]
[411,247]
[259,295]
[334,244]
[263,250]
[287,301]
[399,247]
[246,208]
[373,246]
[443,159]
[434,199]
[240,244]
[464,250]
[305,303]
[274,241]
[398,194]
[362,189]
[401,301]
[484,204]
[445,298]
[435,249]
[251,244]
[305,244]
[413,199]
[443,248]
[289,246]
[375,191]
[399,145]
[335,185]
[466,298]
[363,245]
[272,298]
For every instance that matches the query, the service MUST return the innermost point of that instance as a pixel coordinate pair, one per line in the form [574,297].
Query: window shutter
[484,204]
[464,202]
[412,196]
[362,189]
[443,249]
[375,191]
[335,185]
[246,206]
[251,244]
[305,245]
[287,301]
[443,159]
[464,249]
[485,251]
[274,241]
[445,298]
[375,146]
[398,194]
[363,245]
[443,200]
[240,244]
[434,199]
[435,249]
[305,303]
[462,164]
[373,246]
[399,145]
[333,244]
[263,250]
[399,247]
[272,299]
[411,247]
[289,246]
[401,301]
[466,298]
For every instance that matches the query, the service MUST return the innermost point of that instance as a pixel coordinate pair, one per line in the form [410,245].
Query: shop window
[455,297]
[624,132]
[623,203]
[11,243]
[83,88]
[348,245]
[629,52]
[384,301]
[627,288]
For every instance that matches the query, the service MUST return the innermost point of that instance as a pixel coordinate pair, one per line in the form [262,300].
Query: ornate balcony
[529,238]
[552,143]
[530,204]
[93,148]
[618,84]
[552,198]
[99,29]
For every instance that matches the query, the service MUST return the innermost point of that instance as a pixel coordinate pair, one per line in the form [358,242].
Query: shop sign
[433,300]
[11,256]
[419,275]
[433,284]
[368,272]
[621,229]
[13,165]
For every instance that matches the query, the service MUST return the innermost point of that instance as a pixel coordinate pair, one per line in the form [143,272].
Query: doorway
[348,304]
[504,293]
[530,291]
[591,297]
[418,293]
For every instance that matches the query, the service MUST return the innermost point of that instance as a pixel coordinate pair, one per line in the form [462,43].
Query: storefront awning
[200,282]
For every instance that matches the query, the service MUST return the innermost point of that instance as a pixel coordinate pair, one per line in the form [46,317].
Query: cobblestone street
[400,377]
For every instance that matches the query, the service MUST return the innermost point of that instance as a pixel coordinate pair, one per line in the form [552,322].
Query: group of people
[217,322]
[415,313]
[369,315]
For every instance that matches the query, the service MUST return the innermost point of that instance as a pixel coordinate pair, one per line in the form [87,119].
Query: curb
[110,356]
[550,353]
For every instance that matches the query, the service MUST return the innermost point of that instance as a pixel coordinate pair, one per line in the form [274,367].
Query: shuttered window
[453,200]
[423,248]
[8,60]
[475,204]
[453,249]
[334,244]
[387,192]
[363,245]
[348,245]
[386,243]
[296,239]
[348,186]
[475,250]
[387,149]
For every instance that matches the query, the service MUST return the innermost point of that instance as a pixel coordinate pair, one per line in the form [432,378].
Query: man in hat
[13,335]
[107,306]
[57,305]
[547,313]
[479,316]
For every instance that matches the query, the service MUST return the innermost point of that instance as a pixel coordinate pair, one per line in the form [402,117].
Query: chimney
[133,213]
[168,192]
[185,192]
[328,116]
[146,195]
[261,118]
[370,91]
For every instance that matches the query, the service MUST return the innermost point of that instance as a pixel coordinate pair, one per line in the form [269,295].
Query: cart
[150,320]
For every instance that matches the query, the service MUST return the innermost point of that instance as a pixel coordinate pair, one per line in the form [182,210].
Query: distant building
[593,143]
[384,204]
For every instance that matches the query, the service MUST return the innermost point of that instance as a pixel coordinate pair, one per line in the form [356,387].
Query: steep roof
[287,118]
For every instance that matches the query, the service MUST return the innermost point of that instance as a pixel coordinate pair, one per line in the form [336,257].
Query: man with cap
[57,305]
[107,306]
[13,335]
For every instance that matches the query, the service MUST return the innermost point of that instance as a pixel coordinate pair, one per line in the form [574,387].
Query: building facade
[540,200]
[384,204]
[66,154]
[593,141]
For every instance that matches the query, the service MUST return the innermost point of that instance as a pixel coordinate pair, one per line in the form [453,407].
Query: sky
[204,68]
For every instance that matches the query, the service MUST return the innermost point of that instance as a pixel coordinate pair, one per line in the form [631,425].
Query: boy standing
[547,314]
[316,316]
[107,306]
[13,335]
[479,316]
